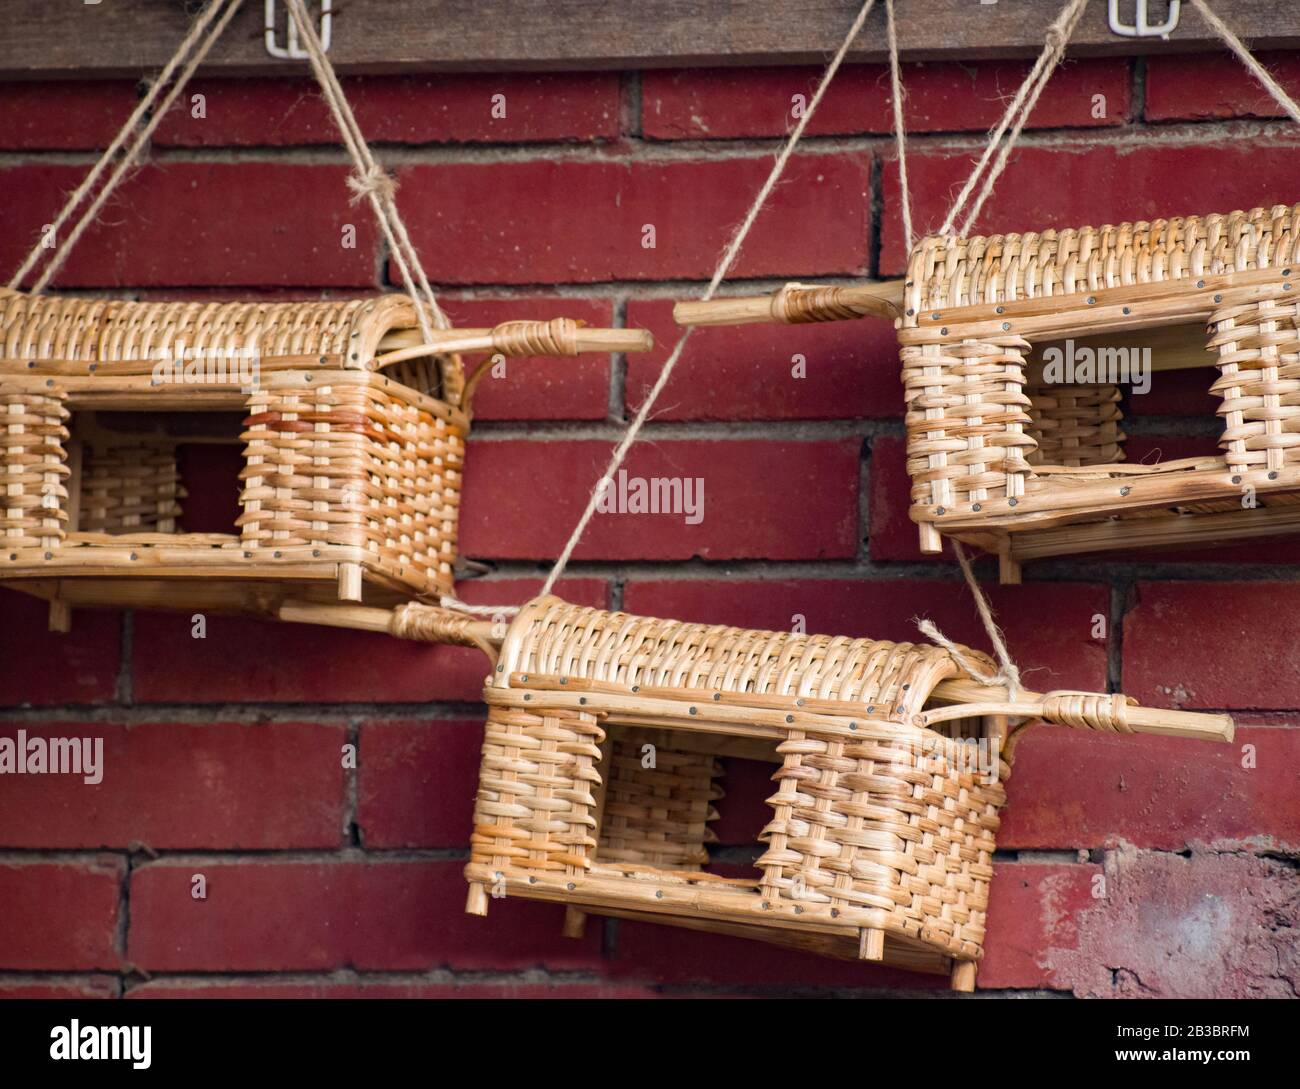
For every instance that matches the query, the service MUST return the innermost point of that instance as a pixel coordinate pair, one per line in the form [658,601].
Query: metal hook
[1140,27]
[292,49]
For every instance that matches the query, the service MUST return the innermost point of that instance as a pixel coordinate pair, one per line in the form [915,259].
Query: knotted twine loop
[372,181]
[1009,675]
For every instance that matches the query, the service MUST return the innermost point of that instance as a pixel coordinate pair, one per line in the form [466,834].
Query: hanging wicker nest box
[888,759]
[352,431]
[1017,348]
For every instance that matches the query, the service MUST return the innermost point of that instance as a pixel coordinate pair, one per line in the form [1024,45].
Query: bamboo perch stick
[409,344]
[972,697]
[797,302]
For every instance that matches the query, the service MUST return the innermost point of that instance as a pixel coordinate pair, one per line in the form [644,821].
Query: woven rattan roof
[551,638]
[43,327]
[946,272]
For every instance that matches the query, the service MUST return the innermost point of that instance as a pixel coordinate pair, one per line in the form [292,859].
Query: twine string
[1247,58]
[202,35]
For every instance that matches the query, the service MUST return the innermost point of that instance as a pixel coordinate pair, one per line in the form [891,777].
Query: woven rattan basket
[352,432]
[889,761]
[1005,454]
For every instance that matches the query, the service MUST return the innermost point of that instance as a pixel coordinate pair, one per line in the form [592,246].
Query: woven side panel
[33,467]
[354,465]
[130,489]
[414,465]
[658,815]
[1075,425]
[1259,382]
[535,807]
[966,420]
[873,824]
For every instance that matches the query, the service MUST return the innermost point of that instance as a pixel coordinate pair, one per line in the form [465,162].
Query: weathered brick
[417,782]
[177,785]
[1213,645]
[1074,788]
[577,221]
[60,916]
[63,115]
[1033,918]
[1206,88]
[1075,185]
[302,916]
[764,499]
[1204,926]
[45,987]
[722,103]
[244,660]
[423,109]
[746,372]
[376,989]
[188,223]
[42,667]
[1047,625]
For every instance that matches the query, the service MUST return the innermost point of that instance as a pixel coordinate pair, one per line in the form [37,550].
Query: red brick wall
[223,755]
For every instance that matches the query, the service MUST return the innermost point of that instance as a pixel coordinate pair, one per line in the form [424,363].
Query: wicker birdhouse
[352,432]
[601,773]
[1016,352]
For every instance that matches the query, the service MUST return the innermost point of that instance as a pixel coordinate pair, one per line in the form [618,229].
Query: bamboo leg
[575,922]
[963,976]
[60,617]
[1008,569]
[871,944]
[349,582]
[476,903]
[931,542]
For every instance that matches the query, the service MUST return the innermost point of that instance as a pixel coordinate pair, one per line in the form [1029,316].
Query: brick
[565,388]
[246,660]
[1069,185]
[60,916]
[176,785]
[1033,917]
[417,782]
[744,812]
[725,103]
[63,115]
[188,223]
[744,372]
[750,490]
[286,916]
[1239,661]
[579,221]
[1073,789]
[1208,88]
[1204,926]
[424,109]
[209,473]
[45,987]
[893,534]
[660,955]
[378,989]
[1177,393]
[1047,625]
[43,668]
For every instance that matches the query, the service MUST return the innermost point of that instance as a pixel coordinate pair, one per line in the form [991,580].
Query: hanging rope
[1247,58]
[195,37]
[1022,103]
[900,132]
[1009,674]
[724,266]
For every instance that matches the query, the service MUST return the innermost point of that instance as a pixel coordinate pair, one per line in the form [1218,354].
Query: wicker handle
[1082,710]
[797,303]
[422,623]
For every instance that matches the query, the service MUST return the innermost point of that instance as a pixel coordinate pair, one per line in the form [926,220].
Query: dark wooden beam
[49,39]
